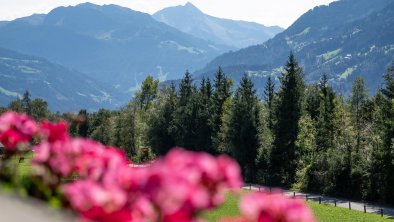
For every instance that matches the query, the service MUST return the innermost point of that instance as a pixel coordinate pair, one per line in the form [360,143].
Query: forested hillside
[304,136]
[64,89]
[110,43]
[346,39]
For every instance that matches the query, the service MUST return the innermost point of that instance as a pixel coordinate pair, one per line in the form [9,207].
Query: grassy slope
[324,213]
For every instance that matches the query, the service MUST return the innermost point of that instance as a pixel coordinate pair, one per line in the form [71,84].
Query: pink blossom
[54,131]
[16,129]
[264,207]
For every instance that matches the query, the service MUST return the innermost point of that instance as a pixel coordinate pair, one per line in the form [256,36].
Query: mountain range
[91,56]
[110,43]
[345,39]
[64,89]
[238,34]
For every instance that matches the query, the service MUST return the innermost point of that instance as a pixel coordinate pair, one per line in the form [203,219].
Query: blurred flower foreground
[97,182]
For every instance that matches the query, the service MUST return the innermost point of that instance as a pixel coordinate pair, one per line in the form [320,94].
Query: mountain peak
[87,5]
[190,6]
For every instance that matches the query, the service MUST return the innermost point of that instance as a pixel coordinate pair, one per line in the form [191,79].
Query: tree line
[305,137]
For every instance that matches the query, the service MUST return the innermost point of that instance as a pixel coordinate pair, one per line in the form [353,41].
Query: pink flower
[187,183]
[16,129]
[264,207]
[54,131]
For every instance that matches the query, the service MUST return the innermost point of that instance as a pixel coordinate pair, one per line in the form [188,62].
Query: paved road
[339,202]
[14,208]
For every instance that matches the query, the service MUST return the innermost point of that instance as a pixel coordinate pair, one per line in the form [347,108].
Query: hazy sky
[267,12]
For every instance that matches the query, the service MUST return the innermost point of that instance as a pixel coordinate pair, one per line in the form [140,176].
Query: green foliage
[124,132]
[83,124]
[357,100]
[186,114]
[16,106]
[39,109]
[304,137]
[269,93]
[148,92]
[282,158]
[221,95]
[100,126]
[26,102]
[144,155]
[243,128]
[160,124]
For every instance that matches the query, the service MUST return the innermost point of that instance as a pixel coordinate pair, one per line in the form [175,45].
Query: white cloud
[268,12]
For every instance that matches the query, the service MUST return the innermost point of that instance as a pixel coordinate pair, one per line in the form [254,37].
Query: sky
[267,12]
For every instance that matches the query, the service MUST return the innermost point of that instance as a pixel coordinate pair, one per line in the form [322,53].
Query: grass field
[323,212]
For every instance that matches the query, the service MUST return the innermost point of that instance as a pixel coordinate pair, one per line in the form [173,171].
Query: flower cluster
[265,207]
[16,130]
[105,188]
[185,183]
[175,188]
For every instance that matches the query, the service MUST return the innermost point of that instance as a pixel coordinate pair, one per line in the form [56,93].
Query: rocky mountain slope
[239,34]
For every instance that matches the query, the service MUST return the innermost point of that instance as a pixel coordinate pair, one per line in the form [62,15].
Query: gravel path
[339,202]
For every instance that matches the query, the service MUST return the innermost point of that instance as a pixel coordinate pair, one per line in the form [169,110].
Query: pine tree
[325,124]
[282,157]
[160,137]
[26,103]
[185,116]
[269,93]
[312,101]
[388,136]
[83,124]
[358,98]
[244,124]
[221,93]
[204,129]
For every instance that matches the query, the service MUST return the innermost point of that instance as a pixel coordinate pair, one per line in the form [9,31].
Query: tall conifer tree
[243,131]
[282,157]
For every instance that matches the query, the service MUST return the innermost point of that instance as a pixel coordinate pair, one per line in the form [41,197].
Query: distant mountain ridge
[238,34]
[346,39]
[110,43]
[64,89]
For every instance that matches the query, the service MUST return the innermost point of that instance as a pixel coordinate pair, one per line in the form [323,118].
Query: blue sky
[267,12]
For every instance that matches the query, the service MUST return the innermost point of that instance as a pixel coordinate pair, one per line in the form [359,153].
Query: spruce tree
[204,128]
[243,128]
[312,101]
[282,157]
[185,116]
[269,93]
[83,124]
[26,102]
[358,99]
[160,137]
[221,93]
[325,124]
[388,136]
